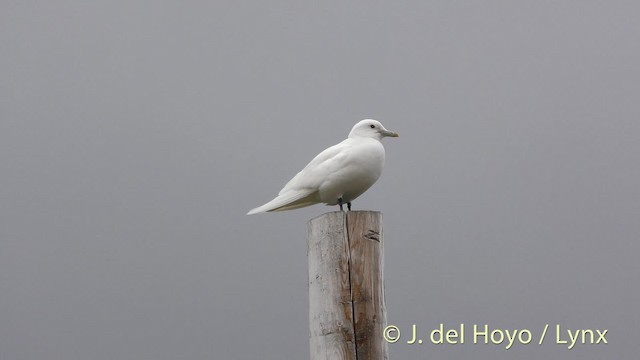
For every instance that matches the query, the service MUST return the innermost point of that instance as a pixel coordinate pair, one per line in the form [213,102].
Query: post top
[339,213]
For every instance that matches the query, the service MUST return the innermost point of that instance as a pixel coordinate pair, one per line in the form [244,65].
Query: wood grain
[347,311]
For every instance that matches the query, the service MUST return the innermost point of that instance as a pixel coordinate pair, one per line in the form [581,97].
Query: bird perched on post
[337,175]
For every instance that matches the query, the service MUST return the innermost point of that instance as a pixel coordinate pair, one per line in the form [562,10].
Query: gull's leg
[340,203]
[349,206]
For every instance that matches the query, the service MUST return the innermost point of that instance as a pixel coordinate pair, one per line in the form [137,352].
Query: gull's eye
[372,126]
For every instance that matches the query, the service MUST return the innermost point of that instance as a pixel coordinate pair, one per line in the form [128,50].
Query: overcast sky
[135,135]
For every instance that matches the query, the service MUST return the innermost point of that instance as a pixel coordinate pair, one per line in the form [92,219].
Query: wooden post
[347,313]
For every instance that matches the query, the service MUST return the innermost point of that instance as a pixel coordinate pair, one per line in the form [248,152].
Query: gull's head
[370,128]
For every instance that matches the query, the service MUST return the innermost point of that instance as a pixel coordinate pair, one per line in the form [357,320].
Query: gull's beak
[389,133]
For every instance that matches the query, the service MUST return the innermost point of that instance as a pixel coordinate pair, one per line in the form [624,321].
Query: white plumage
[338,174]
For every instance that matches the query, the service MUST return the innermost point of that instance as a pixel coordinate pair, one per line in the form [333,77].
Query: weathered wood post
[347,313]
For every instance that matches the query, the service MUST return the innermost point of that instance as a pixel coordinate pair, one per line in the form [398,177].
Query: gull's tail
[288,201]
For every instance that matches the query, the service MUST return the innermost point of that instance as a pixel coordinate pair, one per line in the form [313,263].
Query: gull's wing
[288,201]
[302,190]
[322,166]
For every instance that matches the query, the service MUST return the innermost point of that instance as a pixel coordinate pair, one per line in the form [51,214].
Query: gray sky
[135,135]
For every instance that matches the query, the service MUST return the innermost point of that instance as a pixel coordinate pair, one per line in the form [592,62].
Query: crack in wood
[372,235]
